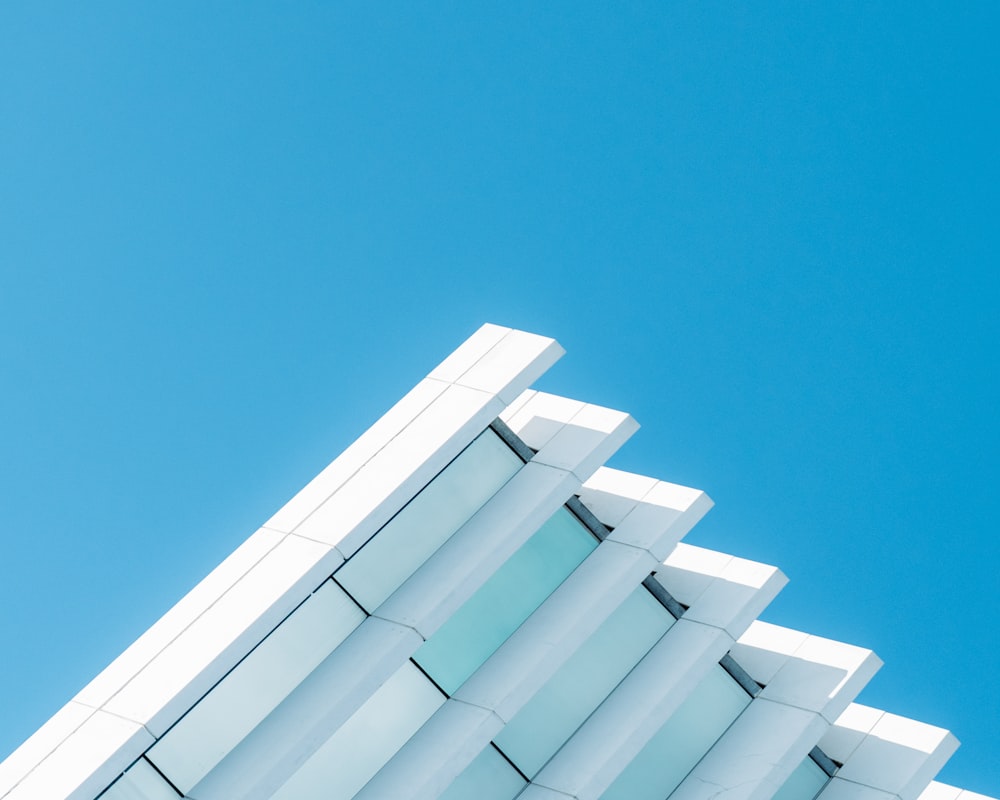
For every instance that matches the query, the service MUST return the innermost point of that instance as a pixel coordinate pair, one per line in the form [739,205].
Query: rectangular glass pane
[541,727]
[804,783]
[474,632]
[140,782]
[363,744]
[220,721]
[489,777]
[427,521]
[683,740]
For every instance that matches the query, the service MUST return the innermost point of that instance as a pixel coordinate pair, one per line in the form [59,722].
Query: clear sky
[232,235]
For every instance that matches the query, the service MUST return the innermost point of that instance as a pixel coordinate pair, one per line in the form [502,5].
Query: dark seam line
[507,759]
[353,599]
[427,675]
[158,772]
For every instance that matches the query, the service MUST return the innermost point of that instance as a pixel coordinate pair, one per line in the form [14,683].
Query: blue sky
[231,236]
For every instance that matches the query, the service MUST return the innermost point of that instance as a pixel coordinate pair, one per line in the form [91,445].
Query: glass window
[363,744]
[489,777]
[228,713]
[474,632]
[140,782]
[541,727]
[680,744]
[804,783]
[427,521]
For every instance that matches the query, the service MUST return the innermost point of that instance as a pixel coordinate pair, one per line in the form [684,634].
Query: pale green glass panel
[474,632]
[804,783]
[541,727]
[489,777]
[427,521]
[140,782]
[683,740]
[363,744]
[230,711]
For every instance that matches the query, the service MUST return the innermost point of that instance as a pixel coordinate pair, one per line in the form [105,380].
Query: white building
[467,605]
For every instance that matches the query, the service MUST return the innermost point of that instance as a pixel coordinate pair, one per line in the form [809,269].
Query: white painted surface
[611,494]
[722,591]
[177,619]
[43,742]
[338,472]
[899,756]
[193,662]
[512,365]
[660,518]
[86,761]
[469,353]
[380,487]
[805,671]
[539,416]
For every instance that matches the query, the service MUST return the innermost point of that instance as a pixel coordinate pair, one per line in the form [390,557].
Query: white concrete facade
[467,604]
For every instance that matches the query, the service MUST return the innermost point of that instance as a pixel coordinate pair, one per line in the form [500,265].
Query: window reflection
[540,728]
[474,632]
